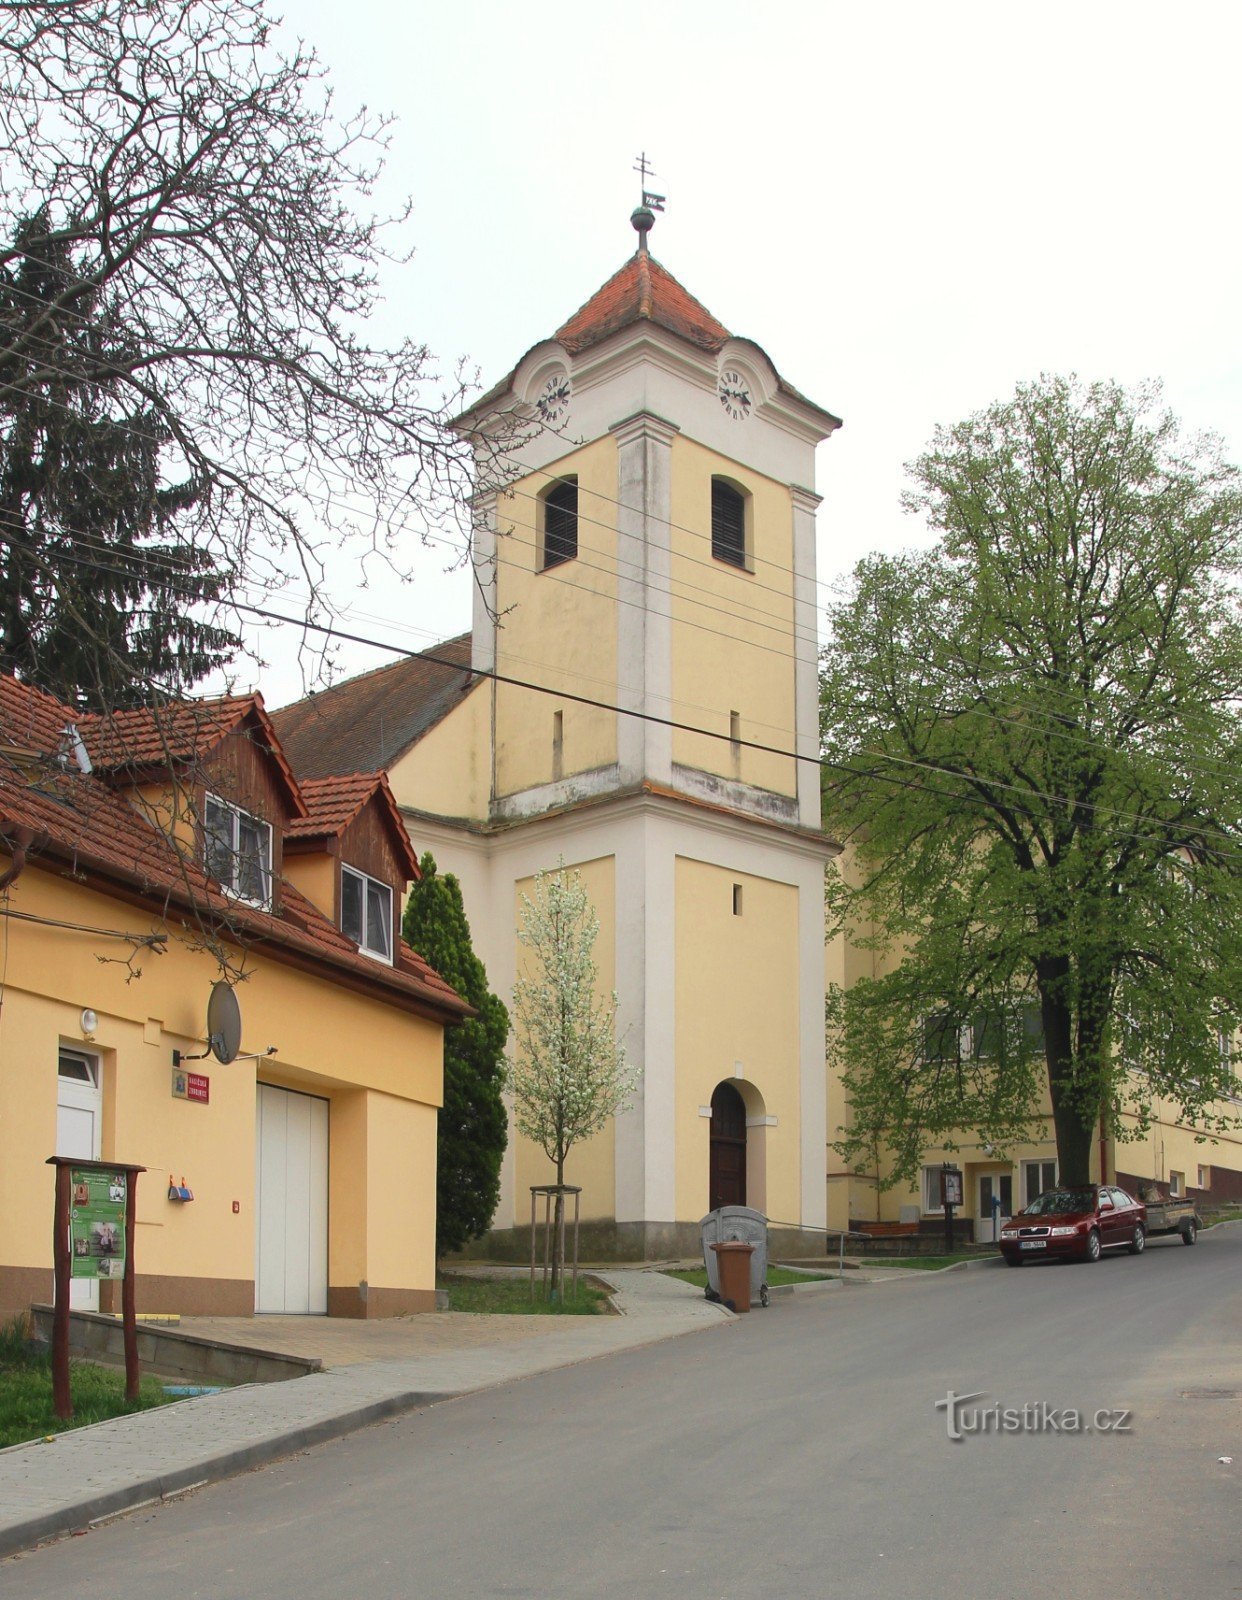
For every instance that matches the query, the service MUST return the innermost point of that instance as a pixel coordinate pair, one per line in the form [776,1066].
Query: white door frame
[983,1234]
[76,1095]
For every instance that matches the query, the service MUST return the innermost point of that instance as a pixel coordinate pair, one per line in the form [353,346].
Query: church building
[638,698]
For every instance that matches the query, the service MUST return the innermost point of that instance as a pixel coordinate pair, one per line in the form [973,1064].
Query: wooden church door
[728,1148]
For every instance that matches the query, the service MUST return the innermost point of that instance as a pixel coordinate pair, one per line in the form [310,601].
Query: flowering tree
[568,1074]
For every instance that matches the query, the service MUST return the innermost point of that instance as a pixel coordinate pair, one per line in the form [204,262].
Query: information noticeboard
[950,1187]
[96,1223]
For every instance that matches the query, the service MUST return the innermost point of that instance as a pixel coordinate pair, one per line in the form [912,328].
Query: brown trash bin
[733,1262]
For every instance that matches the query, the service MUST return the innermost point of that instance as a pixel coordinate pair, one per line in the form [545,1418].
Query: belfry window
[728,523]
[560,524]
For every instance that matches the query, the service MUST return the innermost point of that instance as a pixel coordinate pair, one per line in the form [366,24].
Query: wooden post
[560,1253]
[129,1320]
[577,1208]
[62,1261]
[533,1203]
[62,1399]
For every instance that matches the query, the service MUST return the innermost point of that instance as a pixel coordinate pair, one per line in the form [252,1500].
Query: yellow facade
[590,1165]
[737,1019]
[379,1067]
[558,628]
[449,771]
[732,627]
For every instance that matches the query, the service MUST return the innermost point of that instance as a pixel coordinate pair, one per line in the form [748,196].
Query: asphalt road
[796,1452]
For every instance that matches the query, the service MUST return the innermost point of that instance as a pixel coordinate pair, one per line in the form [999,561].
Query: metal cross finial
[652,202]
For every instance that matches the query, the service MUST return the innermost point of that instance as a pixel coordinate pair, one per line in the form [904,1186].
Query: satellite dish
[223,1023]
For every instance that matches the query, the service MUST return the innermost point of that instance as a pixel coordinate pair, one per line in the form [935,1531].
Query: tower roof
[642,290]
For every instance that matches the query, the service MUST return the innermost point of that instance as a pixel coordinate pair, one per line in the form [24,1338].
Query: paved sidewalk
[112,1467]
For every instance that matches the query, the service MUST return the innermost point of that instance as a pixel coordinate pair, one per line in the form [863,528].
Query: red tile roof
[153,739]
[643,289]
[332,803]
[369,722]
[115,847]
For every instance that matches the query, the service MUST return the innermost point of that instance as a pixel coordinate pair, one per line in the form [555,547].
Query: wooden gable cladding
[242,771]
[366,844]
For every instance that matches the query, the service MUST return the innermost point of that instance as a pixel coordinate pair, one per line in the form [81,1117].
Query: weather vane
[643,216]
[650,201]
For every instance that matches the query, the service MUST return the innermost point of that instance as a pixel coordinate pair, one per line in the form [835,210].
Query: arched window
[728,523]
[560,523]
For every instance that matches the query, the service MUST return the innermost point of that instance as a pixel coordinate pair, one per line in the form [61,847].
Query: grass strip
[26,1390]
[511,1296]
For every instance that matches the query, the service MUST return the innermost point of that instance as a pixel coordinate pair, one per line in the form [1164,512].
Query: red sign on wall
[191,1086]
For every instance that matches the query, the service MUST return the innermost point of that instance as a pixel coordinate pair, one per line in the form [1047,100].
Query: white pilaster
[644,626]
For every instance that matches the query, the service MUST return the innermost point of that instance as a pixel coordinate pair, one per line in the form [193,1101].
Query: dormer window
[560,524]
[238,852]
[366,913]
[729,518]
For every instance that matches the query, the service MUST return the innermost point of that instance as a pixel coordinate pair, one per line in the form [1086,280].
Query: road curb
[85,1514]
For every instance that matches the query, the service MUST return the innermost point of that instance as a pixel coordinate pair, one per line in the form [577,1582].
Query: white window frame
[1036,1161]
[1177,1185]
[929,1188]
[265,830]
[1204,1176]
[367,881]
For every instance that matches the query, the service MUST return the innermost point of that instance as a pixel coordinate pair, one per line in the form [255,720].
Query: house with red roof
[202,975]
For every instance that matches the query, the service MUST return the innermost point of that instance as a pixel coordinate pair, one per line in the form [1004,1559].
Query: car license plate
[1034,1244]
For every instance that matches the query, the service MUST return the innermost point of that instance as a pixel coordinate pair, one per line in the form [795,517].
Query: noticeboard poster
[951,1187]
[97,1223]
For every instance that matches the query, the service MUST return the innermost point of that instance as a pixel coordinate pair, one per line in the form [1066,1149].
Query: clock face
[734,392]
[553,401]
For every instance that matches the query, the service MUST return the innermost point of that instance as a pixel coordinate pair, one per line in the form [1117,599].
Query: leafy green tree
[473,1124]
[1032,747]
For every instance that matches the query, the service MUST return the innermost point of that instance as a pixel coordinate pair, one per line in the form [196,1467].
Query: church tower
[648,564]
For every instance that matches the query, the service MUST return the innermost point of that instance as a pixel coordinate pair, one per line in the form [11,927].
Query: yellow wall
[737,1000]
[329,1040]
[448,772]
[592,1164]
[314,875]
[557,627]
[732,629]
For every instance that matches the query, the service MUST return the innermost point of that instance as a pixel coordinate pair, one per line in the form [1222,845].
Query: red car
[1080,1223]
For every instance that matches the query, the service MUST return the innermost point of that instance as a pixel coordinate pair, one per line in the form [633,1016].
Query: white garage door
[291,1203]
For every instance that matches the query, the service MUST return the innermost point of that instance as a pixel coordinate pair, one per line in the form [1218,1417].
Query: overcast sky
[910,207]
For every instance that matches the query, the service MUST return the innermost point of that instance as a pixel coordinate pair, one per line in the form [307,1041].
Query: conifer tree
[473,1124]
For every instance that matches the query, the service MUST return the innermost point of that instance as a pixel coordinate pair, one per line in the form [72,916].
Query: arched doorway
[727,1179]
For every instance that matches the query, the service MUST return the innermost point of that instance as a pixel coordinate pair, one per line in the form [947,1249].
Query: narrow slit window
[558,744]
[560,523]
[737,899]
[728,523]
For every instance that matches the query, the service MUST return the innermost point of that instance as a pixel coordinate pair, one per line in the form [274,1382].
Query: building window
[560,524]
[1037,1178]
[1205,1178]
[558,745]
[931,1188]
[1177,1184]
[238,852]
[366,913]
[944,1039]
[728,523]
[737,899]
[78,1068]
